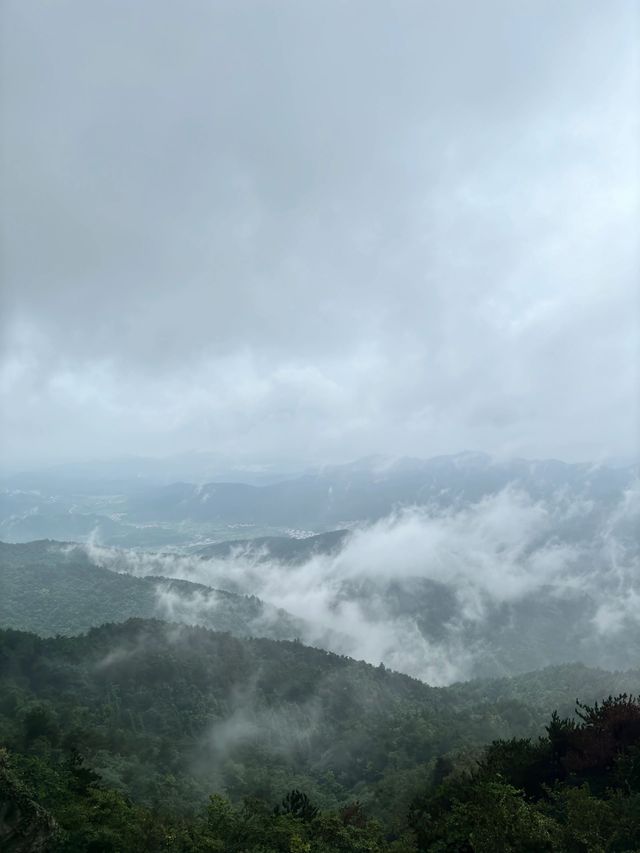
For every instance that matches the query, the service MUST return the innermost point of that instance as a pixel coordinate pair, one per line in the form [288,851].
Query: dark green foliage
[298,805]
[167,713]
[25,827]
[51,805]
[40,722]
[96,819]
[574,790]
[120,736]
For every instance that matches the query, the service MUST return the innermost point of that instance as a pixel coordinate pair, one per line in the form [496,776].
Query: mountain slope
[427,627]
[284,549]
[52,588]
[170,713]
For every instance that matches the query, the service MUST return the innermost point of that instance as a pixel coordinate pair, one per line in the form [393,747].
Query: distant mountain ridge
[138,512]
[371,488]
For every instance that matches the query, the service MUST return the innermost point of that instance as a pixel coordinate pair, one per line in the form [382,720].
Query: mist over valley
[447,569]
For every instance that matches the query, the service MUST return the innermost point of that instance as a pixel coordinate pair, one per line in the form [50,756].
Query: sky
[311,231]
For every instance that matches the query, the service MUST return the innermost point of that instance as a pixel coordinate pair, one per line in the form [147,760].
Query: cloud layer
[301,231]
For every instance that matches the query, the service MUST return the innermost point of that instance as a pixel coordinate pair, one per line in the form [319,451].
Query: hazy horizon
[209,463]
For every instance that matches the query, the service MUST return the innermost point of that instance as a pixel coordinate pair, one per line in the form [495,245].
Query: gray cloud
[314,230]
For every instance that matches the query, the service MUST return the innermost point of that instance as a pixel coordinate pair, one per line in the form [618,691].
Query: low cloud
[425,590]
[177,606]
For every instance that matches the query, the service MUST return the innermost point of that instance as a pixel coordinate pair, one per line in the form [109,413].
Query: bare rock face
[25,827]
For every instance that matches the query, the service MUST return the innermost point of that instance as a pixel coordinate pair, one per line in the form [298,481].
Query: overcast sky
[311,231]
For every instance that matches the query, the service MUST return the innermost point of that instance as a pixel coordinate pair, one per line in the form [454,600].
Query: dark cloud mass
[295,230]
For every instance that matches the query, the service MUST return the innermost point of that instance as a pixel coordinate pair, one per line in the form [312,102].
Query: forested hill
[284,549]
[54,588]
[166,715]
[145,699]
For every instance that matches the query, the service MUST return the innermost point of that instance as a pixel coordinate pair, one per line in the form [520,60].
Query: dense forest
[152,736]
[54,588]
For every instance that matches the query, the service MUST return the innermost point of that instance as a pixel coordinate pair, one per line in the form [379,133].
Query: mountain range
[134,511]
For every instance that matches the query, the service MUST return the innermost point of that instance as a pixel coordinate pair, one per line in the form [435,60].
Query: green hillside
[51,588]
[157,716]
